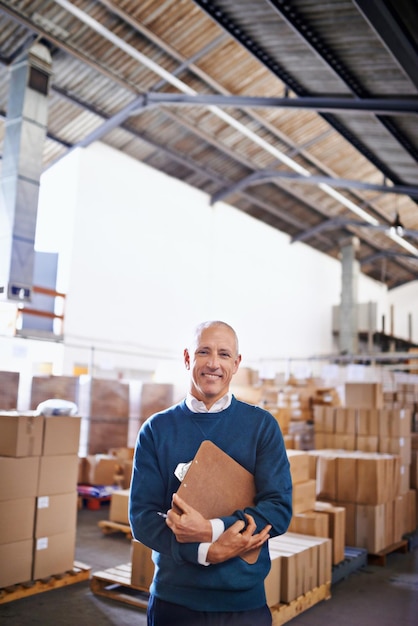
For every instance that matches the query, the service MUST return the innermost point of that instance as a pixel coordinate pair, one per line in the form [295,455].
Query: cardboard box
[291,570]
[9,389]
[389,525]
[16,562]
[127,474]
[404,480]
[364,395]
[326,476]
[345,421]
[317,557]
[119,503]
[61,435]
[53,554]
[272,581]
[81,473]
[299,465]
[370,527]
[344,442]
[400,446]
[376,478]
[20,434]
[309,557]
[55,514]
[329,419]
[319,441]
[372,480]
[399,524]
[350,522]
[367,443]
[323,546]
[304,496]
[336,525]
[142,569]
[18,477]
[57,474]
[368,421]
[346,478]
[101,469]
[125,454]
[411,510]
[395,423]
[319,416]
[17,519]
[310,523]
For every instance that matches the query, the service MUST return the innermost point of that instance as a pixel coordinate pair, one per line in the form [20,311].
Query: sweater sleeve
[151,492]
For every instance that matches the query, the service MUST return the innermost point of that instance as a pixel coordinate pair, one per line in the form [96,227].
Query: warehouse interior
[164,163]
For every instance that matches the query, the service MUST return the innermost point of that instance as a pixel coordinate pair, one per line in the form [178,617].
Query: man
[200,577]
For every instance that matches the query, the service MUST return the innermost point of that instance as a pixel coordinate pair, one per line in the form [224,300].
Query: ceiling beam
[254,47]
[340,222]
[377,106]
[262,176]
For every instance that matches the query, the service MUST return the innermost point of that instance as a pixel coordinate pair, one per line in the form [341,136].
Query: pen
[162,514]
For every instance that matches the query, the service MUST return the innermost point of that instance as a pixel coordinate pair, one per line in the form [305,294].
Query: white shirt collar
[197,406]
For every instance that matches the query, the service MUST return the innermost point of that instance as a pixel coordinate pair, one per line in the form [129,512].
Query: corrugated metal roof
[300,158]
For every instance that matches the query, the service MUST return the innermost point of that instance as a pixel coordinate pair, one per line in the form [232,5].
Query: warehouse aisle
[374,595]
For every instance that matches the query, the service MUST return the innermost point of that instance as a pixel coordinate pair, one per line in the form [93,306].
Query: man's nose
[213,361]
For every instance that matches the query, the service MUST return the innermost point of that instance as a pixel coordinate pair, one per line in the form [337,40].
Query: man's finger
[180,503]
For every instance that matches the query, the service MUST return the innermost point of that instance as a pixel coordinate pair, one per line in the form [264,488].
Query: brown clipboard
[216,485]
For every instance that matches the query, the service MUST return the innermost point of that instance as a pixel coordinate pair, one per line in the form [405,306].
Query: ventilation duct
[25,132]
[349,296]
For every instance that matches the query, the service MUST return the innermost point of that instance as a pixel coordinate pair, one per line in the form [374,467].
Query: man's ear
[186,358]
[237,362]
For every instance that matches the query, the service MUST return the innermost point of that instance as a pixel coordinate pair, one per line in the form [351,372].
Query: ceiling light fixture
[397,228]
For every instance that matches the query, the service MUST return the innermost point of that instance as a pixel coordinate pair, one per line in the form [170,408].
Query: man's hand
[236,541]
[187,524]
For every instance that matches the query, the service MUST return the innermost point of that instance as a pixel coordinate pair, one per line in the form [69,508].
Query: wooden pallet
[79,573]
[115,583]
[380,557]
[282,613]
[108,527]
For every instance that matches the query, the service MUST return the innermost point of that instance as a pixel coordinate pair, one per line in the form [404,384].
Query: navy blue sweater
[253,438]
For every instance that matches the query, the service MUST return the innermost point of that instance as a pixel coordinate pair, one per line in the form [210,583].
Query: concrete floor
[374,595]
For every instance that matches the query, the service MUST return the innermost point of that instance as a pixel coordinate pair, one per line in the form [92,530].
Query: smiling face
[212,361]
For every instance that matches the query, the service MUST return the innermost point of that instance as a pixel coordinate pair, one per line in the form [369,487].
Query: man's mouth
[212,376]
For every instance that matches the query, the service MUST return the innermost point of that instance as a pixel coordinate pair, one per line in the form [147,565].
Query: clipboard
[216,485]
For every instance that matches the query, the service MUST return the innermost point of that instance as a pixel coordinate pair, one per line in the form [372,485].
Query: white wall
[404,301]
[144,258]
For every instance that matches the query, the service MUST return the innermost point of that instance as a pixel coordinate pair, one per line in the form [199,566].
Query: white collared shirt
[197,406]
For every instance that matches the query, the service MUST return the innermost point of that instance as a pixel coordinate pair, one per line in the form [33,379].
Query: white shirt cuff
[202,553]
[218,528]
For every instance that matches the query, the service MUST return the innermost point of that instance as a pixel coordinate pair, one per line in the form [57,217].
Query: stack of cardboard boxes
[38,495]
[310,516]
[112,468]
[362,461]
[299,564]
